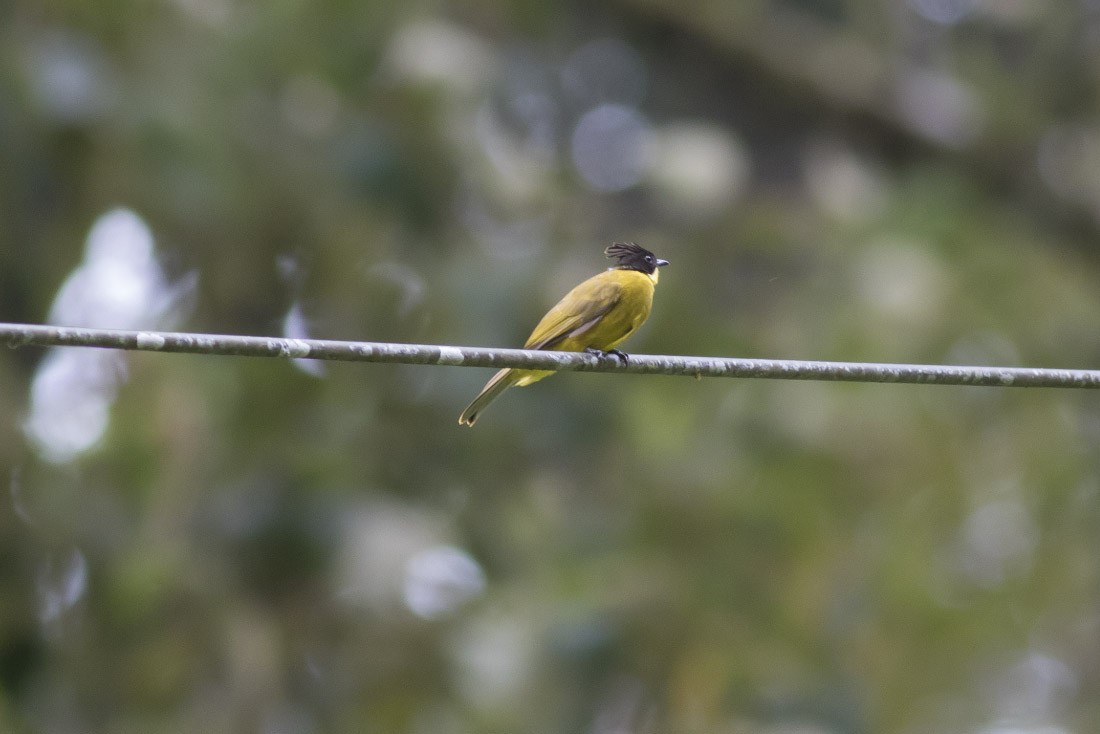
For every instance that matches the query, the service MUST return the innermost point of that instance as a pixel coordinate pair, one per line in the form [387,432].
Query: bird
[596,317]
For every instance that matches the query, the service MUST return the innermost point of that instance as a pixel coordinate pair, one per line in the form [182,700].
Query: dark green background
[659,554]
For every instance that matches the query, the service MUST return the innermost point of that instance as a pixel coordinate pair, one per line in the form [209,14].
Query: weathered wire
[19,335]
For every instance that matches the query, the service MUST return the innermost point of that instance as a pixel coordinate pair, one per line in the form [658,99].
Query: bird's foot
[621,356]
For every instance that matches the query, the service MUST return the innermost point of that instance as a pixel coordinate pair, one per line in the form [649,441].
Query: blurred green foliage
[258,545]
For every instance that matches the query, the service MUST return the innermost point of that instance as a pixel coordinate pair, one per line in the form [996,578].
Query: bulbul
[596,316]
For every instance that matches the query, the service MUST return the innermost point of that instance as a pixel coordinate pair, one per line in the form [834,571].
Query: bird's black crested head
[629,256]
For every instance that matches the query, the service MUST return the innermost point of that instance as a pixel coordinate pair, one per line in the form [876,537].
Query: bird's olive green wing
[580,310]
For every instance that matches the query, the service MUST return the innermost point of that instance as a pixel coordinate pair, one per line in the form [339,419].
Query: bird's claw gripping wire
[621,356]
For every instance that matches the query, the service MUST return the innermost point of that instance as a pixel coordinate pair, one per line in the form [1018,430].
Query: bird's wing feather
[580,310]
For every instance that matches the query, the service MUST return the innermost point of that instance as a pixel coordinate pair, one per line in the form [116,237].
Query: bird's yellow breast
[635,299]
[599,313]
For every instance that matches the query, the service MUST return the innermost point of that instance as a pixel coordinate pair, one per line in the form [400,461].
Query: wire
[19,335]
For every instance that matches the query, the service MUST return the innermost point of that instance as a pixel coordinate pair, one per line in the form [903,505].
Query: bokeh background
[254,545]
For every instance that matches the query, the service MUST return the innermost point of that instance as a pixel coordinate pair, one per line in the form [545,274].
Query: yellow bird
[596,316]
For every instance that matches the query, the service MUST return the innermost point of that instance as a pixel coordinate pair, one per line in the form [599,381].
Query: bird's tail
[500,382]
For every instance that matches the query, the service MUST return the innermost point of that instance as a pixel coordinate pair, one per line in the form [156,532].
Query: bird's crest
[629,256]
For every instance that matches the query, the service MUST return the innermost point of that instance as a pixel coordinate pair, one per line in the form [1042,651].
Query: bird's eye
[649,258]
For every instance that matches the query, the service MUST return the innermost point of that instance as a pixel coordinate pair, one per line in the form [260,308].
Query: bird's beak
[661,263]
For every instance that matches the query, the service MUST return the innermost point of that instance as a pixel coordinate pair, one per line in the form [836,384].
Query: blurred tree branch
[848,75]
